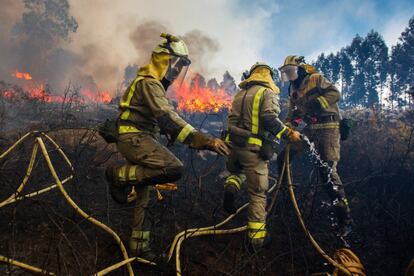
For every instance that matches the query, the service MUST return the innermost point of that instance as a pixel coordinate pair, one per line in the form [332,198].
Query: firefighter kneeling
[144,110]
[253,127]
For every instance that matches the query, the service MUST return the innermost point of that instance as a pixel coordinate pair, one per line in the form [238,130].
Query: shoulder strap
[240,122]
[125,102]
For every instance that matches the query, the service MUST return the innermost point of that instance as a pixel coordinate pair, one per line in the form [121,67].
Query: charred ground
[376,168]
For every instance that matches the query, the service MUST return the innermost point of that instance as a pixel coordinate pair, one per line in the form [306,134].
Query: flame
[97,97]
[22,75]
[195,98]
[39,93]
[8,94]
[35,91]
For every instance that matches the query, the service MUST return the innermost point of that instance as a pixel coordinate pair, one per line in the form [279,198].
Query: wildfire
[22,75]
[34,91]
[100,97]
[192,97]
[39,93]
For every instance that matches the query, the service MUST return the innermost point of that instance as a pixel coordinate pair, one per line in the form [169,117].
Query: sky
[221,34]
[243,31]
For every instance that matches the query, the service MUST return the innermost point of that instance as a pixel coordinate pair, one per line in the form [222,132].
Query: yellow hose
[10,149]
[202,233]
[25,179]
[15,197]
[79,210]
[302,223]
[178,239]
[25,266]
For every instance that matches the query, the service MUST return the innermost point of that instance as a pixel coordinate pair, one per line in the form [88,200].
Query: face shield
[177,68]
[289,73]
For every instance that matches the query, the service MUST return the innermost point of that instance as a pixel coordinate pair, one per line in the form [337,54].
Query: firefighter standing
[313,99]
[254,115]
[144,111]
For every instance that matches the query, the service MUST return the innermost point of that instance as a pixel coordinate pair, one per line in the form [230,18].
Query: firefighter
[144,112]
[314,101]
[253,127]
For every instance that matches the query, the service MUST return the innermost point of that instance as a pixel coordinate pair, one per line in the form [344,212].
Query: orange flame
[97,97]
[22,75]
[38,92]
[195,98]
[8,94]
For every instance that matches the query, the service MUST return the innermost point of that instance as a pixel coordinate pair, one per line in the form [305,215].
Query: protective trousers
[244,164]
[327,143]
[148,163]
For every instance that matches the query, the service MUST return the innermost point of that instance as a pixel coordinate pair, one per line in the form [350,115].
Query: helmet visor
[177,68]
[289,73]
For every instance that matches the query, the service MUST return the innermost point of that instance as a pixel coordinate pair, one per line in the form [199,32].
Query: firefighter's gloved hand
[293,135]
[203,142]
[219,146]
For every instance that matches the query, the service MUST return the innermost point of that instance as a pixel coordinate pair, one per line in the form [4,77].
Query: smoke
[144,37]
[91,43]
[31,36]
[200,46]
[10,13]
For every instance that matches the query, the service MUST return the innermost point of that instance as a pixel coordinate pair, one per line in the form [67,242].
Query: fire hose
[179,238]
[13,198]
[211,230]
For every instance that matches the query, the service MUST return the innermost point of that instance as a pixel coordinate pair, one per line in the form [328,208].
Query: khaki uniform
[144,112]
[255,109]
[315,101]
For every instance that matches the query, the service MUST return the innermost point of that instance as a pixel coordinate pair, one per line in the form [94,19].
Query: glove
[219,146]
[202,142]
[293,135]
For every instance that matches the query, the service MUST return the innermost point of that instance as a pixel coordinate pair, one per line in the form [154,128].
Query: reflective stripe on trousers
[140,241]
[257,230]
[235,180]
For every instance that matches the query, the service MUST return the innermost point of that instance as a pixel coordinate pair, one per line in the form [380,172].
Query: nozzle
[170,37]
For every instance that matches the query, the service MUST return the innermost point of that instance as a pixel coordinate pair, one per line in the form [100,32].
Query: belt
[325,125]
[324,119]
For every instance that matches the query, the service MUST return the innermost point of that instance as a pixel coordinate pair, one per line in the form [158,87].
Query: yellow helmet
[293,60]
[258,64]
[172,45]
[177,57]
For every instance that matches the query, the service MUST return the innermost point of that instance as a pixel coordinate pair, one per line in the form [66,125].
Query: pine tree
[357,88]
[374,54]
[228,83]
[213,84]
[347,74]
[401,65]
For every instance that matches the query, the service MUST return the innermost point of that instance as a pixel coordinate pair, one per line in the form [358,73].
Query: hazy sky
[223,35]
[245,31]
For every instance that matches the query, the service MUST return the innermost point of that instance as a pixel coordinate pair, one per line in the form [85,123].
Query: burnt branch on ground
[376,168]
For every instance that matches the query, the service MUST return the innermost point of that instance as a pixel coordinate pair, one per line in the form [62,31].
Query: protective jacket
[315,101]
[255,110]
[145,107]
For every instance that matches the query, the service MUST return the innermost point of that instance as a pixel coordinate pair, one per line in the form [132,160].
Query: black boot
[257,245]
[229,196]
[345,221]
[118,192]
[139,246]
